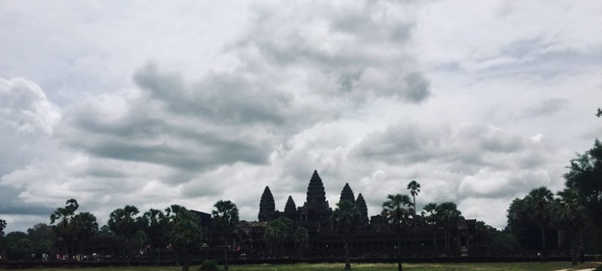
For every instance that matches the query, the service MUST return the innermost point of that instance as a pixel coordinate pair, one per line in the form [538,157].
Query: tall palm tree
[345,219]
[62,219]
[539,200]
[395,213]
[225,218]
[414,188]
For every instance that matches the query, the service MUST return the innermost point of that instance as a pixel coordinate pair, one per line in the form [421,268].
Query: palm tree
[186,235]
[395,213]
[225,218]
[63,218]
[277,231]
[429,212]
[124,223]
[156,228]
[414,188]
[569,215]
[539,200]
[171,216]
[84,227]
[448,216]
[345,219]
[300,237]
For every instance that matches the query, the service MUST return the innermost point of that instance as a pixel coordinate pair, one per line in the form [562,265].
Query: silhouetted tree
[84,227]
[395,213]
[539,200]
[569,216]
[186,235]
[301,237]
[429,213]
[62,219]
[414,188]
[448,216]
[42,238]
[2,227]
[277,231]
[599,114]
[345,220]
[225,218]
[124,223]
[585,176]
[156,227]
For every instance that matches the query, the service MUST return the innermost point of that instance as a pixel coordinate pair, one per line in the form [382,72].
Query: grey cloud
[221,120]
[545,108]
[466,149]
[12,205]
[399,144]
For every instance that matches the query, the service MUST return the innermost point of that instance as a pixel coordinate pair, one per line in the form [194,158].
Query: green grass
[363,267]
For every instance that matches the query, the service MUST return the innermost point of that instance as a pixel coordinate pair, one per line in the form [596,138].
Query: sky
[153,103]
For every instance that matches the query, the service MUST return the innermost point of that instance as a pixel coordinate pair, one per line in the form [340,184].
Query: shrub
[208,265]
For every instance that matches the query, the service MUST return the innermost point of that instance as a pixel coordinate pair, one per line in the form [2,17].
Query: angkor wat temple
[373,239]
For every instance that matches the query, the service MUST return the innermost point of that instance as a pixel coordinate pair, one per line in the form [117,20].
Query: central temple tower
[316,207]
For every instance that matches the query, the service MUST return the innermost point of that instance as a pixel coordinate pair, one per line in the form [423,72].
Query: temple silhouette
[373,238]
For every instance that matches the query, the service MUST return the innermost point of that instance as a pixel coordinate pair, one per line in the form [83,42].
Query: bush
[208,265]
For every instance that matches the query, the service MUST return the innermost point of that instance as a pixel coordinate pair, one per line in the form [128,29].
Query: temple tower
[316,208]
[267,207]
[347,194]
[290,205]
[316,196]
[363,209]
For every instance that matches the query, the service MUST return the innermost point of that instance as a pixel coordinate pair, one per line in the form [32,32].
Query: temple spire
[315,191]
[267,207]
[290,205]
[347,194]
[362,208]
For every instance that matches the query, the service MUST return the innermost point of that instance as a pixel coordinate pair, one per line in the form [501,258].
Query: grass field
[365,267]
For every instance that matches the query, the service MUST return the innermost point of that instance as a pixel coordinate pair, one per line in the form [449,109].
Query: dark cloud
[407,143]
[13,205]
[465,149]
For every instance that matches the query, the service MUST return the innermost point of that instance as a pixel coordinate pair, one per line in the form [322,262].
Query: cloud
[464,148]
[478,102]
[24,107]
[546,108]
[357,52]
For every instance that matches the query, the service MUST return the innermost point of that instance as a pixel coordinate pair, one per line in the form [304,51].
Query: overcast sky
[188,102]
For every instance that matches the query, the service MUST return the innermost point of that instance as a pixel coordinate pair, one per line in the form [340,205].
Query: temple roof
[347,194]
[315,190]
[362,208]
[290,205]
[266,206]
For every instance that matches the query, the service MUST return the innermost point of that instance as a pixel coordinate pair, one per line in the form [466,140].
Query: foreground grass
[362,267]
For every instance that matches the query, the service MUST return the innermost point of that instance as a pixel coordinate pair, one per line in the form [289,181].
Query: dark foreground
[529,266]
